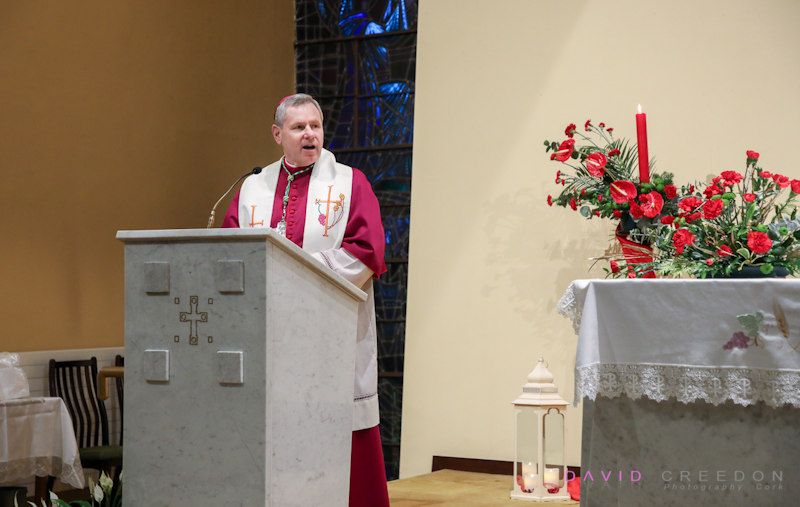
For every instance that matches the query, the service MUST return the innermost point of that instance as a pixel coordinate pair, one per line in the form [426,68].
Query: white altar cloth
[711,340]
[37,439]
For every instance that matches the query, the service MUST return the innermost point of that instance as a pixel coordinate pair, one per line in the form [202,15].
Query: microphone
[255,170]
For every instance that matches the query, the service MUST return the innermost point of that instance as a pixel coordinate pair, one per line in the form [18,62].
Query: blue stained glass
[359,60]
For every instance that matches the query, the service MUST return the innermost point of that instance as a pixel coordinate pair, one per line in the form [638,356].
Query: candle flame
[640,109]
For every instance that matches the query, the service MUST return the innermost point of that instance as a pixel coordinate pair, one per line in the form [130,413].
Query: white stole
[330,191]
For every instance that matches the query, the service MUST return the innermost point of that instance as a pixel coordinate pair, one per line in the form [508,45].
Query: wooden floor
[450,487]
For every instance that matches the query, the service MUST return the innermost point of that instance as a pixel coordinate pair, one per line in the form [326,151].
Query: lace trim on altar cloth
[715,385]
[24,469]
[569,308]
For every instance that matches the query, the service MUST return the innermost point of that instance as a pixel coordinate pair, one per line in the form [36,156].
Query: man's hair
[295,100]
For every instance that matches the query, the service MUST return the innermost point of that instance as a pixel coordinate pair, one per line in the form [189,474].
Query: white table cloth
[37,438]
[712,340]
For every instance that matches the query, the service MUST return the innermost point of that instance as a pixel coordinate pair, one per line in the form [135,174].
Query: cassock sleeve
[345,264]
[232,216]
[364,237]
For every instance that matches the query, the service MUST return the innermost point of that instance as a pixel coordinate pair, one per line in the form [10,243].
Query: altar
[691,390]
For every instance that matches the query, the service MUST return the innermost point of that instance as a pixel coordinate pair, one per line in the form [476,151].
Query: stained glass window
[358,59]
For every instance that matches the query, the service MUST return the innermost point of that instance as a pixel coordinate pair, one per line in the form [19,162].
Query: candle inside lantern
[551,477]
[529,482]
[641,142]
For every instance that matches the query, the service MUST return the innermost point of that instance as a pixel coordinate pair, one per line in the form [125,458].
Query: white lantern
[540,471]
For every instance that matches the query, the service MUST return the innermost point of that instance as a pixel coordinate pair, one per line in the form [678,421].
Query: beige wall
[133,114]
[489,259]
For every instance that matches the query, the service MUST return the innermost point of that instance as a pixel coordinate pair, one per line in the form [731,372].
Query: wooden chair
[76,383]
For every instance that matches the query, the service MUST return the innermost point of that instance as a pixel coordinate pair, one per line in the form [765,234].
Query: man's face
[301,135]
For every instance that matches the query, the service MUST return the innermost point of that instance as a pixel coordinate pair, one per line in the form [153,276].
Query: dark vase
[755,272]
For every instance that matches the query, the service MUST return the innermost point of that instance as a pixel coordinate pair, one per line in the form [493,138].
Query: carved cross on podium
[194,317]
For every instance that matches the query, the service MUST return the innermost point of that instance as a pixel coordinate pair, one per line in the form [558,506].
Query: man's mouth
[309,147]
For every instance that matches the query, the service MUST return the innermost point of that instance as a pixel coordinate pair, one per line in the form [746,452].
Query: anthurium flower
[595,164]
[652,203]
[565,150]
[759,242]
[713,208]
[681,239]
[623,191]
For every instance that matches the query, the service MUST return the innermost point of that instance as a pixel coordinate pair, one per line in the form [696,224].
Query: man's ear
[276,133]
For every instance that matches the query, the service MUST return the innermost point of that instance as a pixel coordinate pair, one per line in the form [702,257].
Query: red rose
[549,200]
[613,153]
[759,242]
[713,208]
[749,197]
[570,130]
[623,191]
[565,150]
[795,186]
[724,251]
[614,266]
[731,178]
[752,154]
[668,219]
[681,239]
[652,203]
[690,203]
[670,191]
[586,125]
[572,204]
[595,163]
[636,210]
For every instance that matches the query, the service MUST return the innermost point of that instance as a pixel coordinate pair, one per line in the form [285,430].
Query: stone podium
[239,361]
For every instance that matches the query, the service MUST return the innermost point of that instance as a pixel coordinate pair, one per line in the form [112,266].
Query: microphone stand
[255,170]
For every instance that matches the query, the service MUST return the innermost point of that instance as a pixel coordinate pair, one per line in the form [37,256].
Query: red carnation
[565,150]
[613,153]
[549,200]
[752,154]
[558,176]
[636,210]
[572,204]
[690,204]
[614,266]
[652,203]
[749,197]
[670,191]
[681,239]
[570,130]
[795,186]
[782,181]
[713,208]
[595,164]
[610,129]
[602,125]
[586,125]
[667,219]
[731,178]
[622,191]
[617,213]
[712,190]
[759,242]
[765,174]
[724,251]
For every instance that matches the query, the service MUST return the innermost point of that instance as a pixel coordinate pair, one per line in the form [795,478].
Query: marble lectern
[239,361]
